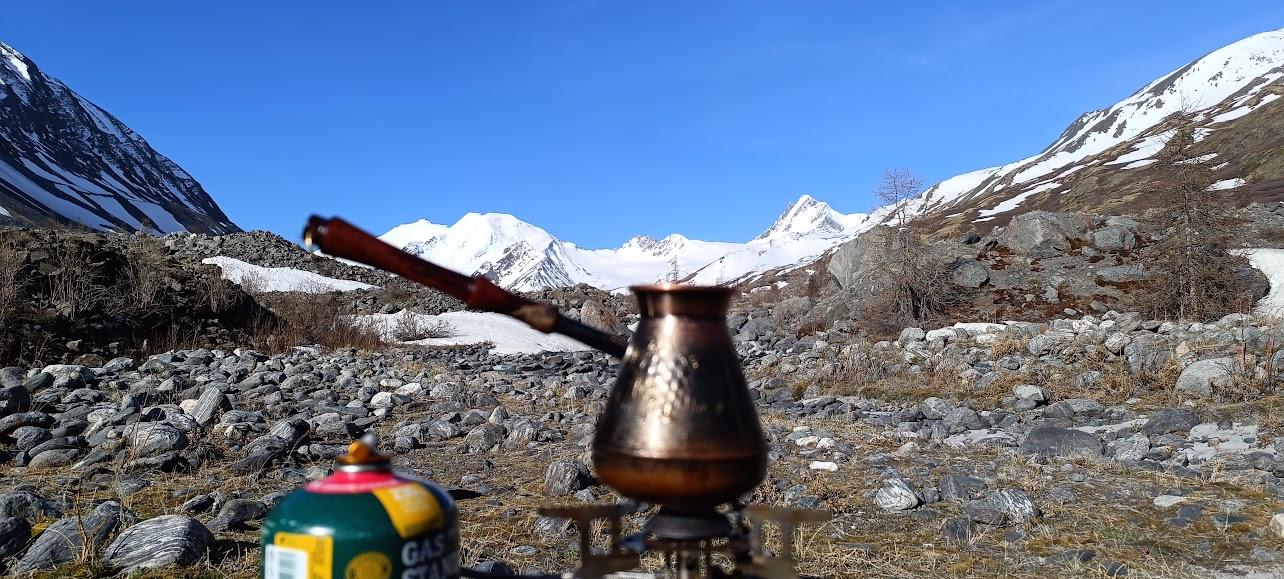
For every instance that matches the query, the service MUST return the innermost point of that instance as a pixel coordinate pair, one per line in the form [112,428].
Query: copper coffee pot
[679,430]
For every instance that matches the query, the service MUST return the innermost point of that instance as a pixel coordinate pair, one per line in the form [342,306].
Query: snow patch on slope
[1270,262]
[280,279]
[508,335]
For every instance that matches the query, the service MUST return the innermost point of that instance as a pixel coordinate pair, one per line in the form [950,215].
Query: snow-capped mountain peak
[810,217]
[522,256]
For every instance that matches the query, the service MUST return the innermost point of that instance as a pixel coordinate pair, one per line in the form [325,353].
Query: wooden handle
[339,238]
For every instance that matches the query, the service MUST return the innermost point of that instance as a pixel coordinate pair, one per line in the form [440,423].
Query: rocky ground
[936,454]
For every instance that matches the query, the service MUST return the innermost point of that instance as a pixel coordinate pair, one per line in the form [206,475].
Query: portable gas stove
[687,541]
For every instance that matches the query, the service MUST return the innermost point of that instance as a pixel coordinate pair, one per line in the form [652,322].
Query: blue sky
[601,120]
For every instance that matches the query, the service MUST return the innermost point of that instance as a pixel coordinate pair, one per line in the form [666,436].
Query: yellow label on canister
[412,508]
[319,550]
[369,565]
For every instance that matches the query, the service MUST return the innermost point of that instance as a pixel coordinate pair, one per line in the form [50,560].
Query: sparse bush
[216,292]
[788,313]
[72,285]
[764,297]
[11,284]
[1008,343]
[253,283]
[307,319]
[145,273]
[410,327]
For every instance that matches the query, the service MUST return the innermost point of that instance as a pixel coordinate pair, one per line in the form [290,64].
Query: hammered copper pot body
[680,428]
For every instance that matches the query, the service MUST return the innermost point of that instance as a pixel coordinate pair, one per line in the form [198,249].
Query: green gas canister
[362,522]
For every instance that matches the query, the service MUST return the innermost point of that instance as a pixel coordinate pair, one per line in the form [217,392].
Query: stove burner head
[688,524]
[687,539]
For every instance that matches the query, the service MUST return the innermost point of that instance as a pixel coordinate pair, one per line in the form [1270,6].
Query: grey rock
[1041,233]
[1114,238]
[565,477]
[962,419]
[157,543]
[1131,449]
[956,487]
[211,403]
[958,529]
[15,533]
[1200,378]
[1121,273]
[1055,441]
[482,437]
[911,335]
[1073,407]
[970,274]
[897,495]
[1031,392]
[236,512]
[26,504]
[152,438]
[68,539]
[935,408]
[1170,420]
[1002,507]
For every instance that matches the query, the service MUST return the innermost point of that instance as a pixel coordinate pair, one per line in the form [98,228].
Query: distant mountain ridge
[64,160]
[521,256]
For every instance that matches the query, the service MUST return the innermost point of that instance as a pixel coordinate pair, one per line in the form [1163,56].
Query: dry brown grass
[312,319]
[1007,344]
[11,283]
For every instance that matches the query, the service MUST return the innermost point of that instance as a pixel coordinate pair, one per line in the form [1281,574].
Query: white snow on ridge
[507,334]
[1271,263]
[1225,184]
[280,279]
[1144,149]
[1012,203]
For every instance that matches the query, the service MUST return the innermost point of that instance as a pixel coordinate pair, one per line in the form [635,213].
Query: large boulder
[70,538]
[1114,238]
[1054,441]
[165,541]
[1201,377]
[1043,233]
[853,265]
[970,274]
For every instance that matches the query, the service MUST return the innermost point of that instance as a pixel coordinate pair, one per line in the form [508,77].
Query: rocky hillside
[65,161]
[1104,161]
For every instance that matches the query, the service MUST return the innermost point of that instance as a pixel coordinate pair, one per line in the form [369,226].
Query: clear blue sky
[600,120]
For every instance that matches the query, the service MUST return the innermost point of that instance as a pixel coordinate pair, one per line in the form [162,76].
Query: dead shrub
[312,319]
[72,286]
[787,314]
[253,283]
[410,327]
[145,275]
[1007,344]
[216,292]
[11,284]
[764,297]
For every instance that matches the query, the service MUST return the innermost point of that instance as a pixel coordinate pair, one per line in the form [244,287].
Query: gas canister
[362,522]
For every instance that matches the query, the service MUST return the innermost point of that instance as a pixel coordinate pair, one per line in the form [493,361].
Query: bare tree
[895,190]
[909,280]
[1194,273]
